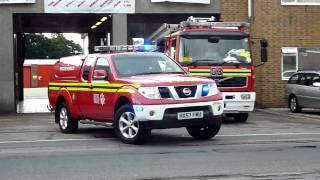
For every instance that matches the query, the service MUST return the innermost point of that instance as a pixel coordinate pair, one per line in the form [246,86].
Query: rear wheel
[294,105]
[127,128]
[205,132]
[63,117]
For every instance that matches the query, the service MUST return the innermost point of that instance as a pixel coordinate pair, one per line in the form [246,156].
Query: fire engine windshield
[141,64]
[214,50]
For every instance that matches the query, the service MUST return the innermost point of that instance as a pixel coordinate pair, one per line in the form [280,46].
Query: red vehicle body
[100,88]
[217,50]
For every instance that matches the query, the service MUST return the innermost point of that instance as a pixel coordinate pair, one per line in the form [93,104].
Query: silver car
[303,90]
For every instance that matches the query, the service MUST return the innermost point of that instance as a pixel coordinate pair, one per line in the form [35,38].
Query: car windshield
[144,63]
[214,49]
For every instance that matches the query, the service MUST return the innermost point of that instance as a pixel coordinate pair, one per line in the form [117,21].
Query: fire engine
[217,50]
[134,92]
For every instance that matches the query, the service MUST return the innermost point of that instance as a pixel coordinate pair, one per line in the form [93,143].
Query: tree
[39,46]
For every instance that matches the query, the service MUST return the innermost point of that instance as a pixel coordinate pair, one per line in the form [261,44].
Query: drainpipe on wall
[249,9]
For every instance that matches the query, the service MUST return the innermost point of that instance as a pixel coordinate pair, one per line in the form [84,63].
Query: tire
[64,119]
[128,130]
[294,105]
[205,132]
[242,117]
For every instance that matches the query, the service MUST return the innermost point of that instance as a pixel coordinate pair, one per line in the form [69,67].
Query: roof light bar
[125,48]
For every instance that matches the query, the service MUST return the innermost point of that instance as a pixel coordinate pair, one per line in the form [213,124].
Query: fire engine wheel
[127,128]
[66,123]
[206,131]
[242,117]
[294,105]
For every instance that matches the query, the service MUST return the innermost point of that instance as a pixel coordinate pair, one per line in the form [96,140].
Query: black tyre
[206,131]
[127,129]
[242,117]
[294,105]
[64,119]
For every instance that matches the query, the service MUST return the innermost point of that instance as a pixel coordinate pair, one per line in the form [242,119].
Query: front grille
[232,82]
[164,92]
[186,91]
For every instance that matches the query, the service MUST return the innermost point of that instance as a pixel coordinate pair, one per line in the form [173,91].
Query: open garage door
[33,75]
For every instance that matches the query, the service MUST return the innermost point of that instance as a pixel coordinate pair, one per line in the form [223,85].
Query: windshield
[139,64]
[222,49]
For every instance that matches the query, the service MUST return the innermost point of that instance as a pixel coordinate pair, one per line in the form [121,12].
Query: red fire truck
[217,50]
[134,92]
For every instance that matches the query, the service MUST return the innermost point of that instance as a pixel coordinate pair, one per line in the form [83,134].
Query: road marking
[271,134]
[97,139]
[50,140]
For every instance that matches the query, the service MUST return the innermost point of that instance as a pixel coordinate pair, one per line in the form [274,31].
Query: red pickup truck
[134,92]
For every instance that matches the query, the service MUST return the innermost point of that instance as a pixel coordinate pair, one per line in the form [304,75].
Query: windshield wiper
[146,73]
[173,73]
[195,63]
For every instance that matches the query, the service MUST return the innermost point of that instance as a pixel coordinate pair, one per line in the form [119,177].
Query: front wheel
[63,117]
[205,132]
[127,128]
[242,117]
[294,105]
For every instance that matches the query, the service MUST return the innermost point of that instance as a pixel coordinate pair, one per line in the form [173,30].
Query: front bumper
[235,103]
[165,116]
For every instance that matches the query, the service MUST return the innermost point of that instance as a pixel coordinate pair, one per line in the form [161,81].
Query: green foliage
[39,46]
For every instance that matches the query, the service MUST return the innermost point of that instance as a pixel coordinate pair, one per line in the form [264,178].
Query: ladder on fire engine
[163,31]
[192,22]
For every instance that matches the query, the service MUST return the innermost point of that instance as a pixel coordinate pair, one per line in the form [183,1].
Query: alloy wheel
[128,126]
[63,118]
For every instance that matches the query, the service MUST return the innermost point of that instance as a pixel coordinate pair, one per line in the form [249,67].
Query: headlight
[209,90]
[150,92]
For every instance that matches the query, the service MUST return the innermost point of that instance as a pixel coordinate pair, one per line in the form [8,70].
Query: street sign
[185,1]
[89,6]
[16,1]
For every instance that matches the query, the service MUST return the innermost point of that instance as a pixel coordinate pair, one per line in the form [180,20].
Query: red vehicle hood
[165,80]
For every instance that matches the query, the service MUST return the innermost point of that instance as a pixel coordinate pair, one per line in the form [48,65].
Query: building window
[289,62]
[300,2]
[299,59]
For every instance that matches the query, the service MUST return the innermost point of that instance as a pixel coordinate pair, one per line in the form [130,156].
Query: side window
[103,65]
[86,68]
[294,79]
[306,79]
[302,79]
[316,79]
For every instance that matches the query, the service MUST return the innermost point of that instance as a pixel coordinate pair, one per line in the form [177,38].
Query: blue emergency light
[126,48]
[205,90]
[139,109]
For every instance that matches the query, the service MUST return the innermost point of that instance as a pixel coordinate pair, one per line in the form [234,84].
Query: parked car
[303,90]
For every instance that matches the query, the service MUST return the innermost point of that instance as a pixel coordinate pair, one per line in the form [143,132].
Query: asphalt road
[269,146]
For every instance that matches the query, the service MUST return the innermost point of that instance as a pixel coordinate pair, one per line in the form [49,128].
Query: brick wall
[234,10]
[283,26]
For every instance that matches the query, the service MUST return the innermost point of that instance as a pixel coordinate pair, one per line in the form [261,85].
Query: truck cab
[134,92]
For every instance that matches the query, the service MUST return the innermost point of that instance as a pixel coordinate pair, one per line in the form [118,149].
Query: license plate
[190,115]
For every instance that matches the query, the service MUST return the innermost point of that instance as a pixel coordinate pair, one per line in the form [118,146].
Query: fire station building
[290,26]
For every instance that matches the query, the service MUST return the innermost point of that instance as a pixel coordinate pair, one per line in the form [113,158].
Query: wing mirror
[100,75]
[316,84]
